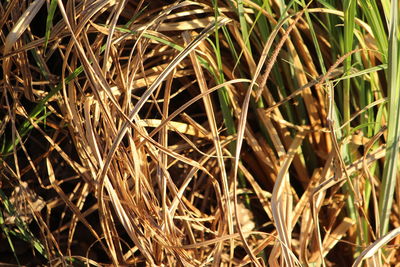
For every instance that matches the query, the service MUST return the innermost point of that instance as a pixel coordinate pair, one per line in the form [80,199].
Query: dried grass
[113,121]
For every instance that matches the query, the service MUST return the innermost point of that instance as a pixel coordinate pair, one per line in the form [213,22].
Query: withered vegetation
[199,133]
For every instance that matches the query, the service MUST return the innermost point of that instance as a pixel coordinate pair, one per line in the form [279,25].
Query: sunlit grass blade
[391,160]
[373,16]
[243,25]
[49,21]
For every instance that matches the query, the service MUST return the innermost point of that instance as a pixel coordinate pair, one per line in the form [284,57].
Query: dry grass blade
[175,126]
[374,247]
[215,137]
[281,202]
[331,239]
[21,25]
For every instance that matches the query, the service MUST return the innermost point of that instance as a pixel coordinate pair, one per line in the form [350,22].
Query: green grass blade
[371,11]
[391,159]
[349,27]
[27,126]
[6,232]
[49,21]
[23,230]
[243,25]
[386,10]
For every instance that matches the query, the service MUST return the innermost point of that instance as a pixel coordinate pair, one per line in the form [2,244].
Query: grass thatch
[221,133]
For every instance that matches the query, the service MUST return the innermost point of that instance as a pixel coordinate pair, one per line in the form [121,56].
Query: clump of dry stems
[183,134]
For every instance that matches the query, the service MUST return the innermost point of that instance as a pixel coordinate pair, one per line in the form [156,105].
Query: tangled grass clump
[222,133]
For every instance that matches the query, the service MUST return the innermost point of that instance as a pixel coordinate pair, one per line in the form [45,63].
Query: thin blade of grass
[49,22]
[391,160]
